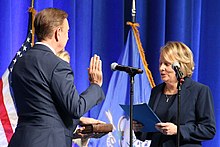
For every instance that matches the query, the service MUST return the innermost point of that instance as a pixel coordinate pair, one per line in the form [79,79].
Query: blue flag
[119,93]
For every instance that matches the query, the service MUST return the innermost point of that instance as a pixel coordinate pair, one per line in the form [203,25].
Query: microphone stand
[131,106]
[180,82]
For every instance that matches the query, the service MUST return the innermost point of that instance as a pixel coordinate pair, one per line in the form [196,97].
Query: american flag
[8,115]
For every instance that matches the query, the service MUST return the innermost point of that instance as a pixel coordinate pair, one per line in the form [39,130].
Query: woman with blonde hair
[64,55]
[197,121]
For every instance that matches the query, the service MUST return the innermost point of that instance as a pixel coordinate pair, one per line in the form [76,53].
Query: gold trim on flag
[141,52]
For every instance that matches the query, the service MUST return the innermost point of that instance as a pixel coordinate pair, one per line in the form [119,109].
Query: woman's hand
[167,128]
[137,126]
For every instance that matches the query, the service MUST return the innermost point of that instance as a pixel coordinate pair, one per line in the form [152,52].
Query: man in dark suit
[47,101]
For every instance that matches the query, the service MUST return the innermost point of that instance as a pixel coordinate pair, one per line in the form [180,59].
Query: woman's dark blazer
[197,119]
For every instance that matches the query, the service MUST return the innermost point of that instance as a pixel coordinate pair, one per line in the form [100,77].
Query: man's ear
[58,34]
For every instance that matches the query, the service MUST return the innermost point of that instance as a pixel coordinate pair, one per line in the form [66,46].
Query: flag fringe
[141,52]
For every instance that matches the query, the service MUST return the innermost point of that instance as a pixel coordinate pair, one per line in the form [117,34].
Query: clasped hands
[84,121]
[95,70]
[165,128]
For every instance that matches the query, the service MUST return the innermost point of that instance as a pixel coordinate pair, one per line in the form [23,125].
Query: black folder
[143,114]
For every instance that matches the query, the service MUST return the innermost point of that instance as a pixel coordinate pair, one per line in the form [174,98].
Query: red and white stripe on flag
[8,114]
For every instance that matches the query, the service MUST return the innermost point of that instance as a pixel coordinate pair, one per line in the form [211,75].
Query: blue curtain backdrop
[99,26]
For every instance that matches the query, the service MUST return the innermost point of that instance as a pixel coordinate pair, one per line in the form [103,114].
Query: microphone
[128,69]
[176,68]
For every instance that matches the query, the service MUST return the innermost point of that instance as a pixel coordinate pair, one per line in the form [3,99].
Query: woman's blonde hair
[178,51]
[64,55]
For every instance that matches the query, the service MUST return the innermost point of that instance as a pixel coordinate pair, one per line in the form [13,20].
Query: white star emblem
[18,53]
[15,60]
[11,69]
[24,48]
[28,39]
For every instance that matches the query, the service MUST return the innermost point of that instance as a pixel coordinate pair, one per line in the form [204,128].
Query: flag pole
[33,12]
[133,11]
[133,14]
[32,3]
[134,26]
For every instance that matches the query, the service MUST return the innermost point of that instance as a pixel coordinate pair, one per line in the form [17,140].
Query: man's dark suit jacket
[47,101]
[197,120]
